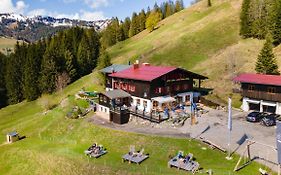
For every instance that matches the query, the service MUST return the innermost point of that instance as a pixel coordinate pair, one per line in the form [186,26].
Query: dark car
[269,120]
[255,116]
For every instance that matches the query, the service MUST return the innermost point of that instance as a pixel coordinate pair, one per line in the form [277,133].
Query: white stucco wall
[103,109]
[246,101]
[140,107]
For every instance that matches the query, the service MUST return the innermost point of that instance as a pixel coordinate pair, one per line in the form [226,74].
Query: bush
[46,102]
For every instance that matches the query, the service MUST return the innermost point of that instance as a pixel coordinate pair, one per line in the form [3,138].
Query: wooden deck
[151,117]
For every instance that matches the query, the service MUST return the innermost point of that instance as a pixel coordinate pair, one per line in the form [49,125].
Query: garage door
[270,109]
[254,107]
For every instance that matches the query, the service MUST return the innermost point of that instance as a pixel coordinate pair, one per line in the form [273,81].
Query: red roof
[143,72]
[259,79]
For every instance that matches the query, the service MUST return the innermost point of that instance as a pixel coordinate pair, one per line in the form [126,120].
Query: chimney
[136,64]
[146,64]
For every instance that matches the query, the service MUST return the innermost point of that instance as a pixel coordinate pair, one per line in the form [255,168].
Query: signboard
[278,140]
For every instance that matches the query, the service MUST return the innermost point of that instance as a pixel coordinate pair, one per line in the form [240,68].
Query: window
[176,87]
[186,86]
[271,90]
[159,90]
[104,99]
[116,85]
[138,102]
[251,87]
[145,104]
[168,89]
[155,104]
[132,88]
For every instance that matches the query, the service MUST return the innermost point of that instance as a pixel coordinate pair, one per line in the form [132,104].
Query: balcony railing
[262,95]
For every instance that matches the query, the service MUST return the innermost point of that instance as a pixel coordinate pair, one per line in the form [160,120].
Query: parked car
[269,120]
[255,116]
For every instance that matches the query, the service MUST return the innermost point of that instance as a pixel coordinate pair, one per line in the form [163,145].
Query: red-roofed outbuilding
[260,92]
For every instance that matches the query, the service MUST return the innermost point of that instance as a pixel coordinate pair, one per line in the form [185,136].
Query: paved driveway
[216,121]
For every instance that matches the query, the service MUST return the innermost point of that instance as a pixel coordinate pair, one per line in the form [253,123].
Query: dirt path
[148,130]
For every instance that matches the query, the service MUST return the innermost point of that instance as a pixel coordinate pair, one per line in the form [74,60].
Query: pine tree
[126,27]
[168,9]
[14,74]
[134,25]
[260,25]
[13,81]
[49,72]
[276,30]
[3,95]
[245,23]
[31,74]
[70,65]
[266,62]
[142,20]
[209,3]
[157,9]
[104,60]
[83,56]
[179,5]
[148,11]
[2,71]
[120,35]
[94,44]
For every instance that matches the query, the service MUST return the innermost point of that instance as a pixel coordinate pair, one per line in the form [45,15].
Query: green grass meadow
[198,38]
[55,144]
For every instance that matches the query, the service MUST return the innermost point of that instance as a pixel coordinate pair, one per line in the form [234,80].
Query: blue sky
[78,9]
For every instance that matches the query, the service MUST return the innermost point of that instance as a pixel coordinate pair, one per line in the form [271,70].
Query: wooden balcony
[261,95]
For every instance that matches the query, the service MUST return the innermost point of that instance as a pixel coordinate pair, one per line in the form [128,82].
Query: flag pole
[229,126]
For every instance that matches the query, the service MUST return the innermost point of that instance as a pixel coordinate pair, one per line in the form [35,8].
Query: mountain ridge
[31,29]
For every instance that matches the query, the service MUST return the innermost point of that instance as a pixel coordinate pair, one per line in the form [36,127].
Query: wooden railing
[153,117]
[262,95]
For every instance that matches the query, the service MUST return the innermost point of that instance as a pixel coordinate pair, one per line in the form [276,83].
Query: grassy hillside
[202,39]
[6,43]
[194,39]
[55,145]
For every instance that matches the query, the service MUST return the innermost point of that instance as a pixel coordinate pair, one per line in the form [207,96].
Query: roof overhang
[117,93]
[164,99]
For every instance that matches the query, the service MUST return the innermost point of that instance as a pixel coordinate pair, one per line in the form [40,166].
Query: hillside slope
[55,145]
[201,39]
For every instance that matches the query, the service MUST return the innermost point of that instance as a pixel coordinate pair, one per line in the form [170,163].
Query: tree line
[50,64]
[121,30]
[47,65]
[260,17]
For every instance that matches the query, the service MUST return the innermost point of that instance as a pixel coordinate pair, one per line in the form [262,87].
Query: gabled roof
[117,93]
[143,72]
[259,79]
[149,73]
[115,68]
[13,133]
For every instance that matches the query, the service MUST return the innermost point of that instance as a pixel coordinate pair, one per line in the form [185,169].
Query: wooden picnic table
[134,158]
